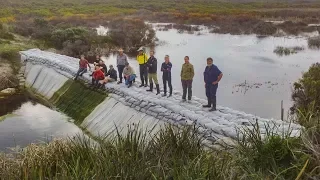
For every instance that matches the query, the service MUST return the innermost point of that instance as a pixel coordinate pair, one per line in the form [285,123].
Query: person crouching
[129,74]
[111,75]
[97,76]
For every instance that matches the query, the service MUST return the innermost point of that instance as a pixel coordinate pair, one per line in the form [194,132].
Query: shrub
[130,33]
[314,42]
[287,50]
[306,93]
[264,28]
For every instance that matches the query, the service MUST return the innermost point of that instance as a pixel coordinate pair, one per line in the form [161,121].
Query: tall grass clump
[170,153]
[306,96]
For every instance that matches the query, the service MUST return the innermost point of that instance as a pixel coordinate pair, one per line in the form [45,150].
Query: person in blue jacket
[212,76]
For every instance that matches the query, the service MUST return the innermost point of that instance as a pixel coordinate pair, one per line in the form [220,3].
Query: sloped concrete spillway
[47,72]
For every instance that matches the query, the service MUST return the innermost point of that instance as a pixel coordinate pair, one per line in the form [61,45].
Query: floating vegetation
[281,51]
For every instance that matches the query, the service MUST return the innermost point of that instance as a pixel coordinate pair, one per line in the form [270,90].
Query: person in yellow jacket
[142,59]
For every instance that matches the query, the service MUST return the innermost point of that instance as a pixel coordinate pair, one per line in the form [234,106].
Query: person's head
[101,62]
[151,53]
[82,57]
[97,67]
[126,64]
[209,61]
[97,57]
[140,50]
[186,59]
[167,58]
[120,51]
[111,67]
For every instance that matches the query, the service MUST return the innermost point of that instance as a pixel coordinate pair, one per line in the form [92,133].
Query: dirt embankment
[7,76]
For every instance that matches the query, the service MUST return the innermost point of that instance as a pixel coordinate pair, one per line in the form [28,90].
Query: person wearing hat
[142,59]
[152,70]
[212,76]
[122,59]
[129,74]
[187,74]
[111,75]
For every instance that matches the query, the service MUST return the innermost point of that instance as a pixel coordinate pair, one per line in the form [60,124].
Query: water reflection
[33,122]
[242,58]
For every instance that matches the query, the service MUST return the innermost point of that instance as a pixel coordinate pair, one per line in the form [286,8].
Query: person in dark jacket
[166,76]
[152,70]
[122,59]
[111,75]
[103,67]
[97,76]
[97,60]
[212,76]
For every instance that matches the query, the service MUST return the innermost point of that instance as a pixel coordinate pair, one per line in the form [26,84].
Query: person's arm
[169,67]
[126,58]
[181,71]
[192,71]
[162,67]
[88,65]
[219,77]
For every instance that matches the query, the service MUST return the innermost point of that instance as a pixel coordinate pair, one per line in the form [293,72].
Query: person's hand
[214,83]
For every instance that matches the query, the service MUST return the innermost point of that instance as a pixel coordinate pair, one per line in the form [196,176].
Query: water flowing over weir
[47,73]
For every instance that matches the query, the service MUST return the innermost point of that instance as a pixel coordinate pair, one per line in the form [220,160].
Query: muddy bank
[7,75]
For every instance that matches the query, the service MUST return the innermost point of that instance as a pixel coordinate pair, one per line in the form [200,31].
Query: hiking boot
[208,105]
[141,85]
[184,100]
[146,85]
[170,95]
[119,82]
[164,95]
[151,88]
[158,88]
[214,108]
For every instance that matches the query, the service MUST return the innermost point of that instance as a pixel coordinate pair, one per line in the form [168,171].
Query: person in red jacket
[98,75]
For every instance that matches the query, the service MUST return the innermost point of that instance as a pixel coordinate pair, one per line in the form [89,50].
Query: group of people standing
[148,68]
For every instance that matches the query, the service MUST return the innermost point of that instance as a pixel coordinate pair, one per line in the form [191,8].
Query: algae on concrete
[76,100]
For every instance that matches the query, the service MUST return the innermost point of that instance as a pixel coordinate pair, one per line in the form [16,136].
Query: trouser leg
[184,89]
[213,95]
[189,89]
[164,80]
[170,85]
[141,69]
[120,71]
[145,75]
[84,70]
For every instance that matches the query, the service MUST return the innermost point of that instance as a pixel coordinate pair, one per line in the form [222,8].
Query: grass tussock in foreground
[170,154]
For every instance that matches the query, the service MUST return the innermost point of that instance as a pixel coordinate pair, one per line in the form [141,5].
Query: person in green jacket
[187,74]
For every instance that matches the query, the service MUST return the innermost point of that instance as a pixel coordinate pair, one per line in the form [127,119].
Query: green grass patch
[171,153]
[76,100]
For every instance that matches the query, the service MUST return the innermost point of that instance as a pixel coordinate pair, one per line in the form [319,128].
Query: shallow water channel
[32,122]
[255,80]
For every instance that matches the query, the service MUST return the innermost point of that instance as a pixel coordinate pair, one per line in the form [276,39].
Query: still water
[244,59]
[33,123]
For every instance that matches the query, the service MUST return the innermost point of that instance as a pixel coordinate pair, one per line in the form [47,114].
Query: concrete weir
[47,72]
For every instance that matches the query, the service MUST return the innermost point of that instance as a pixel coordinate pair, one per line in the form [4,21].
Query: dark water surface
[33,123]
[266,78]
